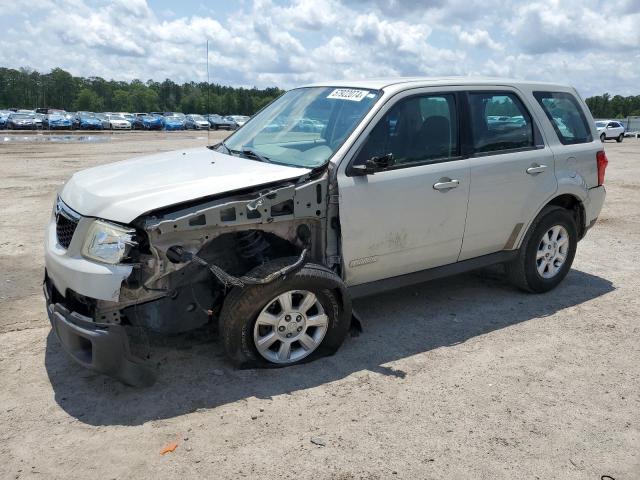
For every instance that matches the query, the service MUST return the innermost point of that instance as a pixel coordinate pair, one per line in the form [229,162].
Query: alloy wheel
[552,251]
[290,327]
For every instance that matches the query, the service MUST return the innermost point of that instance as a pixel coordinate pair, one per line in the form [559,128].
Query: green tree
[89,100]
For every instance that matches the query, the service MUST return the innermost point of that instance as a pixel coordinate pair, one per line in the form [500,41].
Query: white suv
[272,232]
[610,129]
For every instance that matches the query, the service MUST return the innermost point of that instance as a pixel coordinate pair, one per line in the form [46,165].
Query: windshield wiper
[247,152]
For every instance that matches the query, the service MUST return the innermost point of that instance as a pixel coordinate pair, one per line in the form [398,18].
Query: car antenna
[208,107]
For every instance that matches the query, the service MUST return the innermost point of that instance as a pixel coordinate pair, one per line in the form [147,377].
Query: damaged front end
[184,261]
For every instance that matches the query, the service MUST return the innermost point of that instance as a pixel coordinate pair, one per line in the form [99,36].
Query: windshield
[198,118]
[21,116]
[304,127]
[601,124]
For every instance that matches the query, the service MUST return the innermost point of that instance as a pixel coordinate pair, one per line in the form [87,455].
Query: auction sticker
[348,94]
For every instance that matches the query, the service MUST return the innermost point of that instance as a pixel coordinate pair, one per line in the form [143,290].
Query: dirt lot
[461,378]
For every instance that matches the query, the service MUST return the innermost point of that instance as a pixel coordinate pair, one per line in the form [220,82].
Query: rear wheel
[547,251]
[620,137]
[293,319]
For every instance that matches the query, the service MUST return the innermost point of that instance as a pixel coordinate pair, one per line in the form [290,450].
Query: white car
[239,119]
[273,231]
[118,122]
[610,130]
[197,122]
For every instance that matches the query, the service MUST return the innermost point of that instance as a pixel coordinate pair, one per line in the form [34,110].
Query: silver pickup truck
[271,233]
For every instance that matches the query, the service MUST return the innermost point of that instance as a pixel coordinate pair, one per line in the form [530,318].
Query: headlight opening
[108,242]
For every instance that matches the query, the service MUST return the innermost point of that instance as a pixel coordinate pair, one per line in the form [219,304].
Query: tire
[603,137]
[240,328]
[620,137]
[524,270]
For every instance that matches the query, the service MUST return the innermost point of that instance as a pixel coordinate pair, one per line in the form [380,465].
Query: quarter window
[499,122]
[566,116]
[421,129]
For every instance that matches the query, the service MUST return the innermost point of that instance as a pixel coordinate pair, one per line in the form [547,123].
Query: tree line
[30,89]
[606,106]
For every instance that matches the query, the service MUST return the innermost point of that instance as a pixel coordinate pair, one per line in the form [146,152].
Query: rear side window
[566,116]
[500,122]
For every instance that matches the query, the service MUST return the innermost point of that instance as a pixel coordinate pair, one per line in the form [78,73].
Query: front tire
[547,251]
[294,319]
[603,137]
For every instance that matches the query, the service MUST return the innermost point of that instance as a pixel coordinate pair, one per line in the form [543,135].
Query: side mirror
[374,164]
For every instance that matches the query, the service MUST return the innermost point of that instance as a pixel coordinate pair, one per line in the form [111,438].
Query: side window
[420,129]
[499,122]
[566,116]
[612,125]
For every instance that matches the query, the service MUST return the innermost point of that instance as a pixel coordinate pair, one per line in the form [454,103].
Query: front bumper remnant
[103,348]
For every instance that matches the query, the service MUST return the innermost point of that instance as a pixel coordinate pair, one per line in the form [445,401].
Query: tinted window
[566,116]
[415,130]
[499,122]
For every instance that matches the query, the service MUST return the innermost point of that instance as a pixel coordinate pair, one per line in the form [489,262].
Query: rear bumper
[593,205]
[103,348]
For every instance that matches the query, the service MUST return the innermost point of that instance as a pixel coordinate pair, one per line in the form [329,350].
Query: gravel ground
[460,378]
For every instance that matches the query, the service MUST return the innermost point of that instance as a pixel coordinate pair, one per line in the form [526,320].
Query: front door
[409,216]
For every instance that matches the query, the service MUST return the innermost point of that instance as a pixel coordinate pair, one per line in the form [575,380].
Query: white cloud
[592,45]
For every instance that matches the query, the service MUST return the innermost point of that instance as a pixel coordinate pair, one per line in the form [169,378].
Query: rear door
[511,169]
[410,216]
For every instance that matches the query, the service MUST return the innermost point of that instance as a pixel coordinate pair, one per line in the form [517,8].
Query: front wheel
[620,137]
[603,137]
[547,251]
[294,319]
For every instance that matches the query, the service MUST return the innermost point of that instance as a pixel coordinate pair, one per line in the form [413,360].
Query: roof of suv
[401,83]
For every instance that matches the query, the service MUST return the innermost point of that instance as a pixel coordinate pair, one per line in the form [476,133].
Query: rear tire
[326,321]
[620,137]
[547,251]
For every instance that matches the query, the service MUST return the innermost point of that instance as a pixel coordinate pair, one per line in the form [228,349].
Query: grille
[64,229]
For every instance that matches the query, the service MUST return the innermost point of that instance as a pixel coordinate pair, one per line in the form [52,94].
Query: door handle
[536,169]
[449,184]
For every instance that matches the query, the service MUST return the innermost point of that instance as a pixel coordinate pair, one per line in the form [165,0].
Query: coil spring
[251,245]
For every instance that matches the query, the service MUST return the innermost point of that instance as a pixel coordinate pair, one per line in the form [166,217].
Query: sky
[592,45]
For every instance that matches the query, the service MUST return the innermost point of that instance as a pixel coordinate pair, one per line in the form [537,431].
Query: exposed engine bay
[187,258]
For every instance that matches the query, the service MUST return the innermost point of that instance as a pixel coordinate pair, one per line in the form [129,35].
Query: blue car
[174,122]
[87,121]
[4,116]
[145,121]
[57,119]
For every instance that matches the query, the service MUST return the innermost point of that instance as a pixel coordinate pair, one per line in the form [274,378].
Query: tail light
[601,159]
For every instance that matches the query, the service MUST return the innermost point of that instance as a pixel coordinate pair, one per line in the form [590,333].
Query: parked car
[218,122]
[87,121]
[196,122]
[104,118]
[130,117]
[57,119]
[21,121]
[118,122]
[308,125]
[145,121]
[4,116]
[610,129]
[271,235]
[174,122]
[240,120]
